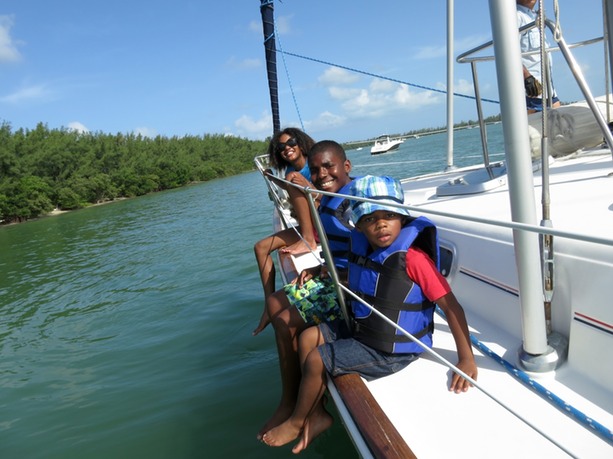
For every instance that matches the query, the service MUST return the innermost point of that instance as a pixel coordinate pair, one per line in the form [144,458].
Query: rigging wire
[289,80]
[364,72]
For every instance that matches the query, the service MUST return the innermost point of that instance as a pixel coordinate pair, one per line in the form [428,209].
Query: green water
[125,329]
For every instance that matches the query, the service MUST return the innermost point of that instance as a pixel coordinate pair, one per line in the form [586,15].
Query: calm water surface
[125,329]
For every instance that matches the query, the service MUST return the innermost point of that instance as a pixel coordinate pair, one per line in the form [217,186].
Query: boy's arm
[459,329]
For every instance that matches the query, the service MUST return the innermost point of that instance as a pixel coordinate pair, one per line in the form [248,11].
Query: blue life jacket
[334,213]
[380,278]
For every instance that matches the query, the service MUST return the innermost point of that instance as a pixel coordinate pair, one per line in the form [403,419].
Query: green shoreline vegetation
[44,169]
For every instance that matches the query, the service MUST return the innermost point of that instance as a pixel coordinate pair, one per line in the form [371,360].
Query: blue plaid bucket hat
[386,190]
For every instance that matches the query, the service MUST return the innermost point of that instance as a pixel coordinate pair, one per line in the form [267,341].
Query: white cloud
[79,127]
[30,93]
[8,48]
[255,26]
[325,120]
[343,94]
[463,86]
[380,98]
[146,132]
[282,24]
[337,76]
[260,128]
[460,46]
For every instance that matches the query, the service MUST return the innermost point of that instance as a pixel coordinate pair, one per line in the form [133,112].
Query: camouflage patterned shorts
[316,300]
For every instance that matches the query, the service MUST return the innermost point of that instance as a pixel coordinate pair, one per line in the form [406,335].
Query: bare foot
[299,247]
[282,414]
[282,434]
[264,321]
[317,423]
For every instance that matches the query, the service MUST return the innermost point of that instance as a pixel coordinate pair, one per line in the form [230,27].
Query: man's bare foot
[319,421]
[281,414]
[299,247]
[282,434]
[264,321]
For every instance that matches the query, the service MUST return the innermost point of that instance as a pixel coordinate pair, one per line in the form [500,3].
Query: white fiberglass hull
[484,278]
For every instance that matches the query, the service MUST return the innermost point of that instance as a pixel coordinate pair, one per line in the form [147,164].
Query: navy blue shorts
[342,354]
[536,103]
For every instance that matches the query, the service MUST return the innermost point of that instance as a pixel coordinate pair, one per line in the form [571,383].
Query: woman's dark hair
[304,141]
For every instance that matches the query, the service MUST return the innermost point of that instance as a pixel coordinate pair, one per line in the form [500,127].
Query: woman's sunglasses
[291,142]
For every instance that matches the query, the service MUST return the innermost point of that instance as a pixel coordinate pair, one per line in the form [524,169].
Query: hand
[533,86]
[458,383]
[307,275]
[298,179]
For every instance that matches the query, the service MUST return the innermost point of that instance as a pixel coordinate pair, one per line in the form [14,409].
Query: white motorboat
[384,143]
[534,288]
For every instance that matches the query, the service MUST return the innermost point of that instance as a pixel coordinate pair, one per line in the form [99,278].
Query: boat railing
[344,292]
[276,194]
[471,58]
[544,230]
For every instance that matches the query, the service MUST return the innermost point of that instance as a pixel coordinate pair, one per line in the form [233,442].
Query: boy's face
[329,172]
[381,228]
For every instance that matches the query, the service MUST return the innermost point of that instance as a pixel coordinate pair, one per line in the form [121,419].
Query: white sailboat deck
[472,424]
[439,423]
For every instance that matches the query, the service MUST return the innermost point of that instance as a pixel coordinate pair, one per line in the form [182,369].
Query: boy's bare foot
[282,434]
[281,414]
[318,422]
[299,247]
[264,321]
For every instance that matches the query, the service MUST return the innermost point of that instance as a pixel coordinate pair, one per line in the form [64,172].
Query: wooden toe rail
[379,433]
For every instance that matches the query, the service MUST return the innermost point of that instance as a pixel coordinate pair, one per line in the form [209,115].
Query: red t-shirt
[422,270]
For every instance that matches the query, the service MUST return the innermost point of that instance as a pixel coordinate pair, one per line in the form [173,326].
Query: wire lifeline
[273,190]
[363,72]
[456,370]
[597,427]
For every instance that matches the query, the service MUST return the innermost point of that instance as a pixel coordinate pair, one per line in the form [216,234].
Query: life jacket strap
[377,267]
[383,303]
[368,332]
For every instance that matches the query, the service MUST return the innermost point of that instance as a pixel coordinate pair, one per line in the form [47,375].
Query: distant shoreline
[57,211]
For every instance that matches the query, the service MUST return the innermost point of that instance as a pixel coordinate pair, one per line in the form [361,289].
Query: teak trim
[379,433]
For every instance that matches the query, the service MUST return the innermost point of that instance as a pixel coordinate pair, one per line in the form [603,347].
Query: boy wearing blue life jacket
[304,303]
[392,265]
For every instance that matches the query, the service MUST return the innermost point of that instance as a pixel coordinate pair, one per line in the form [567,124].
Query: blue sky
[190,67]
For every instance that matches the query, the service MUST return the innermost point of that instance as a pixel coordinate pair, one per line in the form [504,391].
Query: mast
[535,354]
[268,24]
